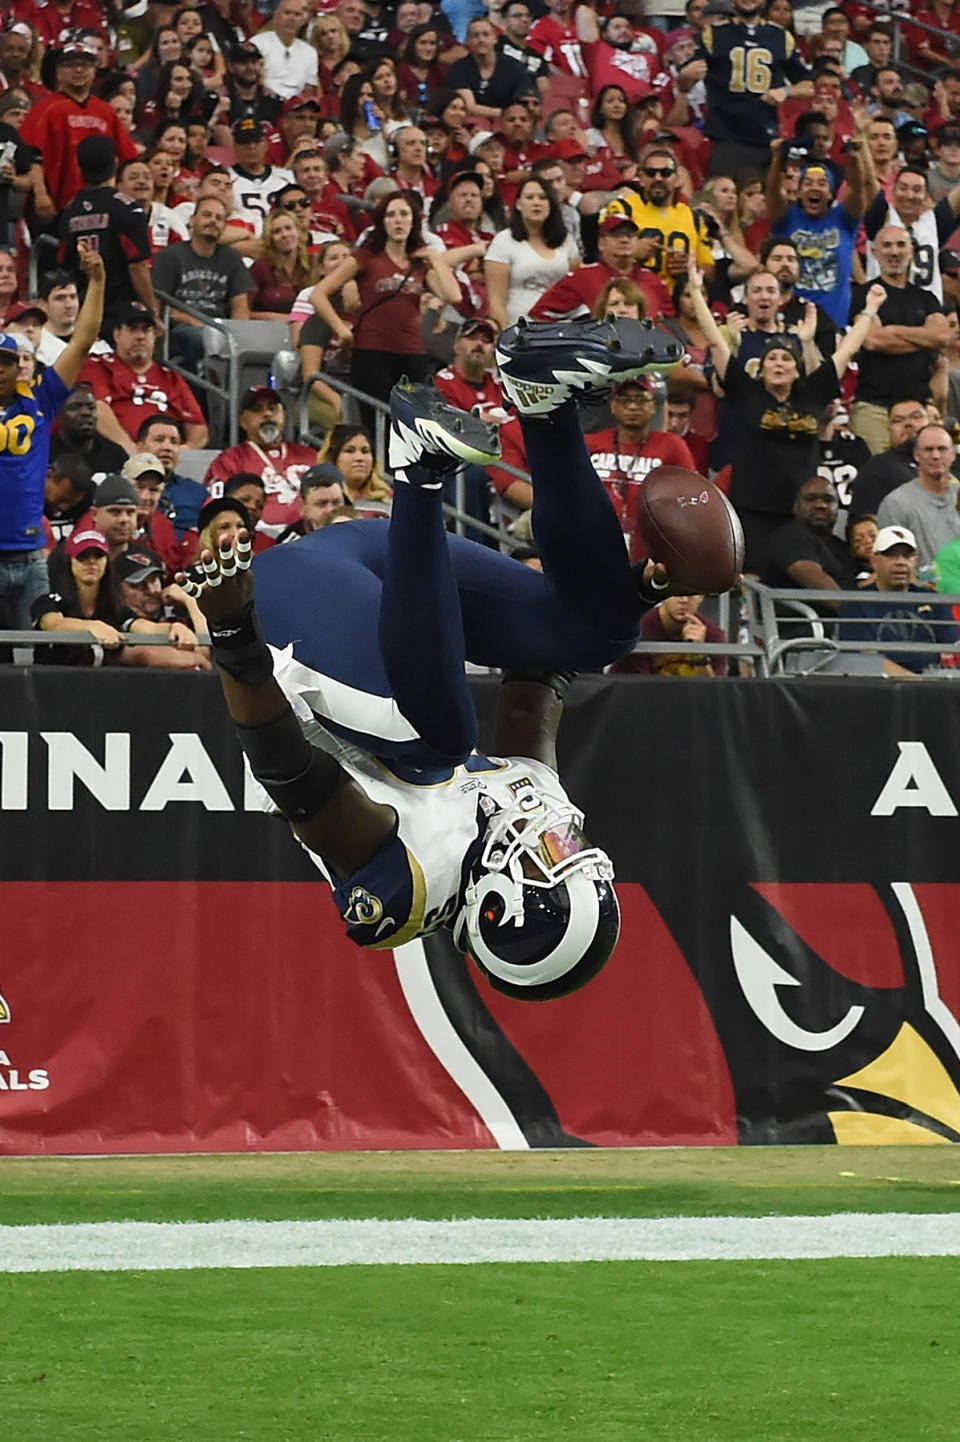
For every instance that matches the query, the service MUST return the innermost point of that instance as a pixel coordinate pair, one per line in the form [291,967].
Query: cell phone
[7,152]
[93,241]
[370,115]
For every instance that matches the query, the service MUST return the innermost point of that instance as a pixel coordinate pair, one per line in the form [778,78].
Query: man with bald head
[930,226]
[900,351]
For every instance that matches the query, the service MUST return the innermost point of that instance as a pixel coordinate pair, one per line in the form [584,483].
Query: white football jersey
[438,822]
[252,193]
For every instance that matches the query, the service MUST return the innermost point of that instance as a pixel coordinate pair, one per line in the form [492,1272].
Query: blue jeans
[23,577]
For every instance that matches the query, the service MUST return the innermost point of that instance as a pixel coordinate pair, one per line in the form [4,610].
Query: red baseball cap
[299,102]
[86,540]
[569,150]
[615,221]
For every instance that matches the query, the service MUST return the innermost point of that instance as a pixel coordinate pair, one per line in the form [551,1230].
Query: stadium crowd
[397,184]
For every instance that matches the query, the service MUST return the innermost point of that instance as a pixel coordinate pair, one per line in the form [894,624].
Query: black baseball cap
[247,131]
[116,490]
[137,564]
[244,50]
[134,314]
[222,503]
[324,474]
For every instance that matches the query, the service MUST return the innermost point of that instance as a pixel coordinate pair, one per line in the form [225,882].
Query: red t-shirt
[623,469]
[517,158]
[678,664]
[54,25]
[581,288]
[135,395]
[57,126]
[329,213]
[280,467]
[389,318]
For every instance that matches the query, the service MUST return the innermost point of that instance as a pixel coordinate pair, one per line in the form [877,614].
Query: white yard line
[172,1246]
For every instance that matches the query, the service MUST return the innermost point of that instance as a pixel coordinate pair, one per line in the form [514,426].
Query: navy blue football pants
[393,610]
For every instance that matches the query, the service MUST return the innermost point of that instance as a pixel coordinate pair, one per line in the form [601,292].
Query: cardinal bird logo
[4,1008]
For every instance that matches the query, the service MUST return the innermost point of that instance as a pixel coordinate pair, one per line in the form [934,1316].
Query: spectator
[130,385]
[82,601]
[748,328]
[750,68]
[554,35]
[408,148]
[860,535]
[824,231]
[364,122]
[777,444]
[329,216]
[221,520]
[420,72]
[67,495]
[929,227]
[670,224]
[56,126]
[114,512]
[116,227]
[624,455]
[520,150]
[145,606]
[179,93]
[842,455]
[927,505]
[283,269]
[392,269]
[165,46]
[385,91]
[779,256]
[26,318]
[618,247]
[61,306]
[899,355]
[290,65]
[611,131]
[160,437]
[895,571]
[255,183]
[486,78]
[209,276]
[470,384]
[517,18]
[678,417]
[676,619]
[299,120]
[24,459]
[76,434]
[333,45]
[348,448]
[321,493]
[615,53]
[246,96]
[806,552]
[883,473]
[148,475]
[878,45]
[265,453]
[16,43]
[691,377]
[319,349]
[535,251]
[249,488]
[550,169]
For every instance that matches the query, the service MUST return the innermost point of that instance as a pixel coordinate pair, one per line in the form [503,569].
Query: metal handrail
[86,638]
[232,394]
[458,514]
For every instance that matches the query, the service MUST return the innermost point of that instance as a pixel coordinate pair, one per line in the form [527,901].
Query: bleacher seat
[195,464]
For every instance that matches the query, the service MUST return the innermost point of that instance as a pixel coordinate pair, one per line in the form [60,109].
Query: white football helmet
[540,915]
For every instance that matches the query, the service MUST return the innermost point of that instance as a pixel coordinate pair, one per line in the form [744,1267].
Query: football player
[348,691]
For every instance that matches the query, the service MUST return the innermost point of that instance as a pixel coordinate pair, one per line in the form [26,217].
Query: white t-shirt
[530,272]
[289,70]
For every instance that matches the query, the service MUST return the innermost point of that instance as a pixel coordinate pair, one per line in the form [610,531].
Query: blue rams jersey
[24,455]
[743,63]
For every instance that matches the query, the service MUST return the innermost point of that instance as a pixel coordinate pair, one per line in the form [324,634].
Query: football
[691,527]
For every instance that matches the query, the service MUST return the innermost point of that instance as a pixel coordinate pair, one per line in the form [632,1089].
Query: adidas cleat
[543,364]
[426,431]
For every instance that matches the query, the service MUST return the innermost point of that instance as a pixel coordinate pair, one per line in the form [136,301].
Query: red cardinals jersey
[133,395]
[635,71]
[280,468]
[53,25]
[577,293]
[559,45]
[57,126]
[458,391]
[623,468]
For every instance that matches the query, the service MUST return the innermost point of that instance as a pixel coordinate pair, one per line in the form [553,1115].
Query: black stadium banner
[788,864]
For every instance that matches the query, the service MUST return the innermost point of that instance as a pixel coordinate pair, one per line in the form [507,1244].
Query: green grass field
[772,1351]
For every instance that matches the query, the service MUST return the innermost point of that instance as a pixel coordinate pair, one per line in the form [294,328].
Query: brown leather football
[689,525]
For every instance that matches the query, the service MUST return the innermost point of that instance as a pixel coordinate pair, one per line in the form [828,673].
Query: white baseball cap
[890,536]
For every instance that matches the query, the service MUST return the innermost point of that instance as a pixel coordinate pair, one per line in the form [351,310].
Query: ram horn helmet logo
[4,1009]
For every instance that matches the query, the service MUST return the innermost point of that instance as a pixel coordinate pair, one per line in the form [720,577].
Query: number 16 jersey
[743,63]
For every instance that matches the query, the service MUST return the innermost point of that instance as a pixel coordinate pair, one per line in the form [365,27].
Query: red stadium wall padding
[174,976]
